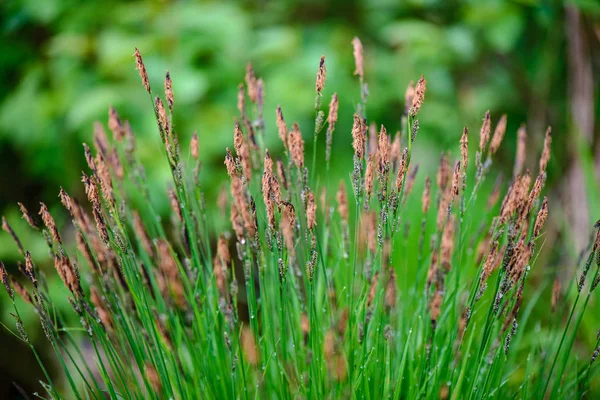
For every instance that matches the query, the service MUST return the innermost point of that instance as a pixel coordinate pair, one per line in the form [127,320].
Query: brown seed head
[383,151]
[342,200]
[243,151]
[443,174]
[251,84]
[540,220]
[333,112]
[105,178]
[435,306]
[139,65]
[100,140]
[153,378]
[447,245]
[390,291]
[401,169]
[194,146]
[296,144]
[358,57]
[230,163]
[320,84]
[369,176]
[426,197]
[490,261]
[410,182]
[174,202]
[281,127]
[249,346]
[236,222]
[67,273]
[358,137]
[169,90]
[27,217]
[21,290]
[498,134]
[456,179]
[546,152]
[98,303]
[281,173]
[89,158]
[464,148]
[288,221]
[555,294]
[408,97]
[241,101]
[29,269]
[373,289]
[419,96]
[521,149]
[49,222]
[311,210]
[8,229]
[115,124]
[163,121]
[484,133]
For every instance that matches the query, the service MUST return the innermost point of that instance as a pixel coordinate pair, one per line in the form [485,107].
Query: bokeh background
[63,62]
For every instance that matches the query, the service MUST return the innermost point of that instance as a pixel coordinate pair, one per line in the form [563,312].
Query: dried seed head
[358,137]
[383,151]
[288,220]
[456,179]
[29,269]
[521,149]
[369,178]
[320,84]
[358,57]
[267,189]
[242,150]
[435,306]
[410,182]
[169,90]
[251,84]
[27,217]
[498,134]
[139,65]
[105,179]
[332,116]
[100,139]
[555,294]
[495,195]
[541,218]
[418,97]
[464,148]
[311,210]
[443,174]
[408,97]
[447,245]
[220,263]
[373,289]
[241,203]
[426,197]
[163,121]
[296,144]
[490,262]
[390,291]
[484,133]
[546,152]
[174,202]
[115,124]
[194,146]
[230,163]
[342,200]
[401,170]
[281,173]
[153,378]
[281,127]
[5,280]
[21,290]
[8,229]
[142,234]
[249,346]
[89,158]
[98,303]
[67,273]
[236,222]
[49,222]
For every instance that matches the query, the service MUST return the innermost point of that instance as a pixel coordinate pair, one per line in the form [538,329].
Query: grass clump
[317,290]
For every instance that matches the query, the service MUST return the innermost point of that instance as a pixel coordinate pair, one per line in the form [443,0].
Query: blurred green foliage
[65,61]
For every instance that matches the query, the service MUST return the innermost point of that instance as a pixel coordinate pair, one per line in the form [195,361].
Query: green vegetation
[388,284]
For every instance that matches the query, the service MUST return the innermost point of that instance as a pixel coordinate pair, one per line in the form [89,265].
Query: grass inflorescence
[317,290]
